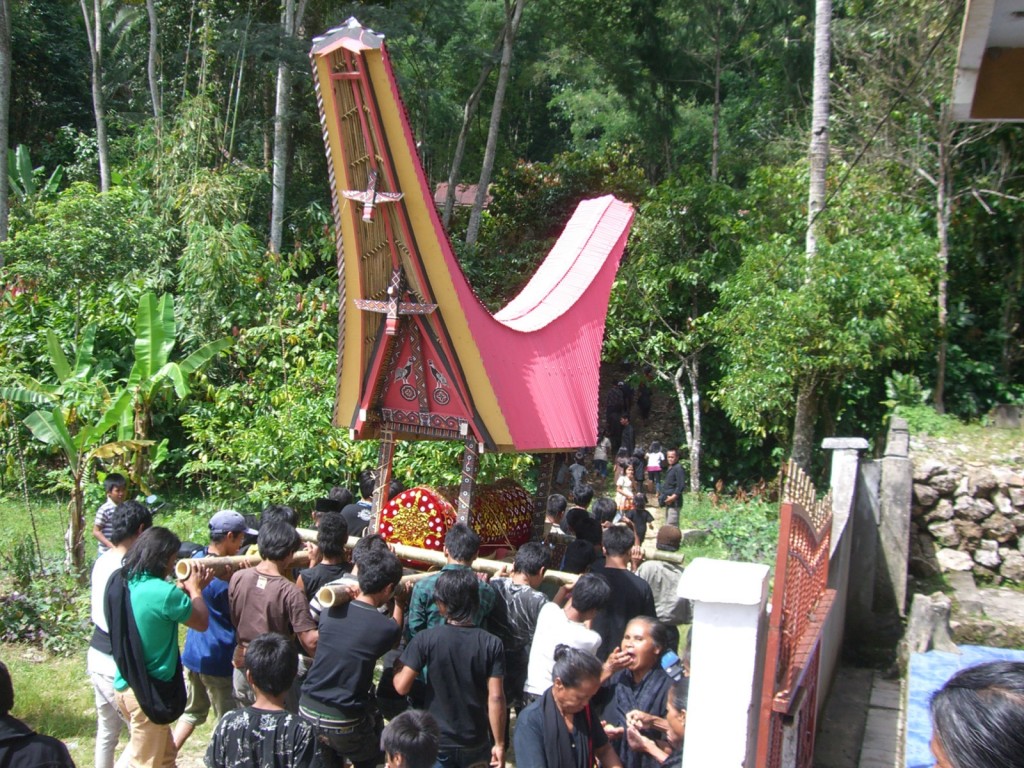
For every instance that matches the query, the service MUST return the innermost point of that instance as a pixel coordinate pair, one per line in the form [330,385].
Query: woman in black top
[560,730]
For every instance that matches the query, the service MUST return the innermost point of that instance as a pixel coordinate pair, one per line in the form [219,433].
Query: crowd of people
[573,675]
[472,666]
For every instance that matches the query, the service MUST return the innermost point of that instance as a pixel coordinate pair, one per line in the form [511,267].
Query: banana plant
[87,443]
[22,176]
[153,372]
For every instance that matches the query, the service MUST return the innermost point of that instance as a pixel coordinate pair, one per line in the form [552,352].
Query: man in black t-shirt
[336,695]
[631,596]
[464,685]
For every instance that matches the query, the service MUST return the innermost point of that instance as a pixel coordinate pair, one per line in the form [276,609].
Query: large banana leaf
[49,427]
[58,359]
[118,448]
[30,392]
[155,333]
[202,356]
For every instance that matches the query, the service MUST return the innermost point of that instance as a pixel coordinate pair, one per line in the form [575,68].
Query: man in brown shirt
[262,600]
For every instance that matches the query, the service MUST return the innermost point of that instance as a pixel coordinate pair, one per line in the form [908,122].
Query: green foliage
[50,609]
[863,301]
[923,419]
[24,179]
[746,531]
[904,389]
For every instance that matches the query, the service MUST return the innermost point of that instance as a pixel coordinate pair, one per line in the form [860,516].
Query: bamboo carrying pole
[223,565]
[330,594]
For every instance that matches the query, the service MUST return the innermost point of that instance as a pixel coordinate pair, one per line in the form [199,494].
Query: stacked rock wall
[968,518]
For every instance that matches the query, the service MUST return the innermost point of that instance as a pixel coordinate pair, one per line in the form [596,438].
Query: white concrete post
[726,661]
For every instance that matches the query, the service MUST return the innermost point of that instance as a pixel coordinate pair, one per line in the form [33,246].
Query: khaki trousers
[149,745]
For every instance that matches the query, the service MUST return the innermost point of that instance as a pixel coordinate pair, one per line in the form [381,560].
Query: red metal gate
[801,603]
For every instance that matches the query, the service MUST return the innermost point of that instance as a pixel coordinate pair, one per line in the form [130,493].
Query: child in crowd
[115,486]
[464,684]
[265,734]
[578,469]
[601,451]
[410,740]
[655,458]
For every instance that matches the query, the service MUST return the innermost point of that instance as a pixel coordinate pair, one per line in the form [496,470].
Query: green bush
[51,610]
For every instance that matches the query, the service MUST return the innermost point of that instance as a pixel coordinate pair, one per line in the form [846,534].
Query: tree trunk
[94,34]
[513,17]
[943,215]
[688,395]
[803,422]
[291,19]
[76,545]
[5,110]
[818,154]
[468,112]
[716,112]
[151,66]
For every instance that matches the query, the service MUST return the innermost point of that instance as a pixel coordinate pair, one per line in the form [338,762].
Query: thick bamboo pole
[221,566]
[332,592]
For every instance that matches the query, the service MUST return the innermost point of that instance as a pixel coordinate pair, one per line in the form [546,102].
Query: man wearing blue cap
[207,656]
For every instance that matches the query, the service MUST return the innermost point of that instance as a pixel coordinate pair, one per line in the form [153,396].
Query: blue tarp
[929,672]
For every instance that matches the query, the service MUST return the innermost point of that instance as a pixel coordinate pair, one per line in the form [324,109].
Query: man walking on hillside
[672,486]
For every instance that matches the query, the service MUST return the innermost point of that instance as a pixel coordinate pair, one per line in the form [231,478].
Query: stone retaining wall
[968,518]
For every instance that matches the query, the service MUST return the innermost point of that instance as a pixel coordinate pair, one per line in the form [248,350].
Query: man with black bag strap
[143,612]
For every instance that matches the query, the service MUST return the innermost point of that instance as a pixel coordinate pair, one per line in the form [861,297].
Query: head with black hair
[277,540]
[556,507]
[605,510]
[583,494]
[341,495]
[618,540]
[645,640]
[332,535]
[412,737]
[129,519]
[573,518]
[589,530]
[978,717]
[457,595]
[378,571]
[367,482]
[461,543]
[271,663]
[395,487]
[655,447]
[114,480]
[6,691]
[153,554]
[590,594]
[676,717]
[531,559]
[576,676]
[579,555]
[370,544]
[278,513]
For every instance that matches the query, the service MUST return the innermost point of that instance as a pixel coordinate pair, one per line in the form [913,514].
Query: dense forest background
[174,149]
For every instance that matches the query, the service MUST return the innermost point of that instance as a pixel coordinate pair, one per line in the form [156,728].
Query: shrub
[52,610]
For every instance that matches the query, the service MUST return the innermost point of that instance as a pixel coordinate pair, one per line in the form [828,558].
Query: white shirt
[105,565]
[553,629]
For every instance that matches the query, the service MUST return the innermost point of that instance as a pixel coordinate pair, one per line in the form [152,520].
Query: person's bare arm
[496,714]
[97,533]
[403,679]
[308,640]
[197,580]
[607,756]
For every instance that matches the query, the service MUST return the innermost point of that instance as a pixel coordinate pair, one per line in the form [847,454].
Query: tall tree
[291,19]
[808,385]
[151,65]
[513,18]
[894,99]
[5,110]
[92,15]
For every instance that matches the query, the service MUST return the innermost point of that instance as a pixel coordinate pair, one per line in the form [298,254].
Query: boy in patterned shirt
[265,735]
[115,486]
